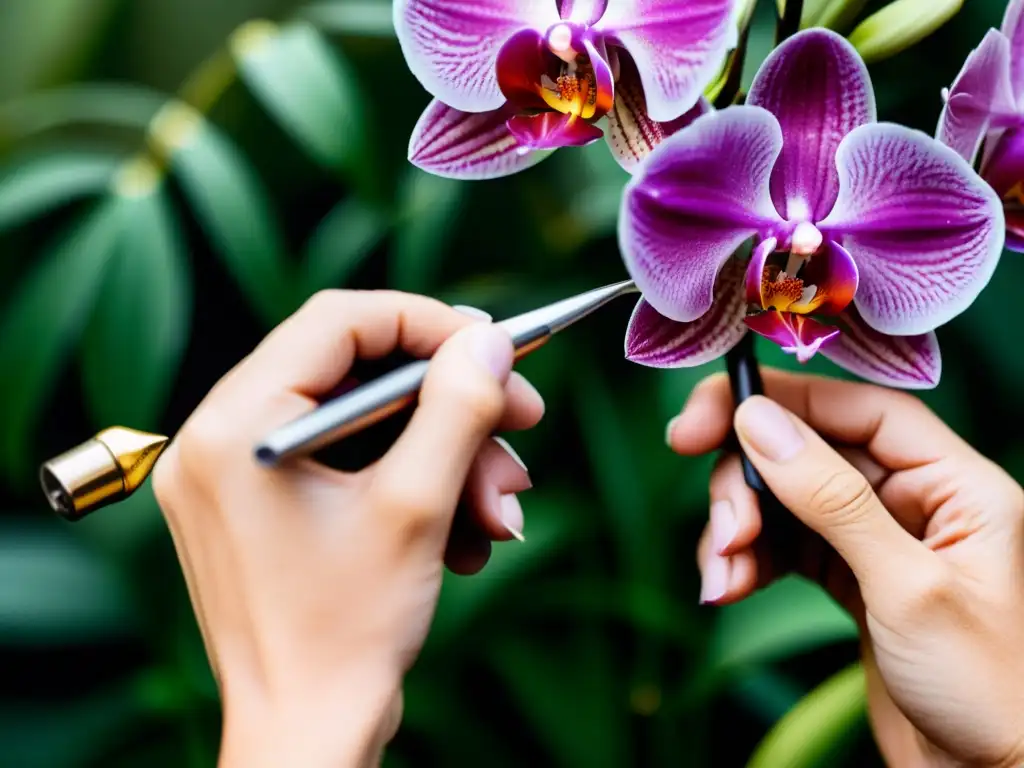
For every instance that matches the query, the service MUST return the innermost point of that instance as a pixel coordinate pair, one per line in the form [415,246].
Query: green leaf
[37,186]
[43,321]
[429,209]
[311,91]
[139,329]
[462,598]
[231,204]
[64,734]
[839,15]
[363,18]
[55,590]
[790,617]
[815,732]
[340,244]
[899,25]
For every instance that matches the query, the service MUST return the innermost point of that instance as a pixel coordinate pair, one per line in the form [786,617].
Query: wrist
[344,728]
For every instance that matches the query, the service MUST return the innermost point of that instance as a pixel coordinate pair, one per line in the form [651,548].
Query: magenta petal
[1004,170]
[797,334]
[551,130]
[655,341]
[464,145]
[817,86]
[631,132]
[907,362]
[522,61]
[451,46]
[925,231]
[582,11]
[1013,28]
[699,195]
[755,269]
[981,88]
[833,272]
[678,45]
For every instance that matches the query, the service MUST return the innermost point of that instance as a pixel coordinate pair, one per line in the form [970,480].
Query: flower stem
[745,380]
[789,22]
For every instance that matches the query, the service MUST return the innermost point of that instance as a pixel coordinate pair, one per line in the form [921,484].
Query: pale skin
[315,589]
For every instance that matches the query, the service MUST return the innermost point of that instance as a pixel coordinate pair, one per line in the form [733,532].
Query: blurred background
[176,178]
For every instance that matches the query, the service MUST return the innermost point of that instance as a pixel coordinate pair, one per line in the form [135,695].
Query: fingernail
[511,452]
[670,429]
[714,580]
[723,525]
[512,515]
[769,429]
[492,347]
[473,312]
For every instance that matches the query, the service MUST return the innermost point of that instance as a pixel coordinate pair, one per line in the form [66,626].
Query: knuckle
[929,590]
[843,495]
[405,504]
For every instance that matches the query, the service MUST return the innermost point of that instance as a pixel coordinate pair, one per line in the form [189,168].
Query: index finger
[896,429]
[311,351]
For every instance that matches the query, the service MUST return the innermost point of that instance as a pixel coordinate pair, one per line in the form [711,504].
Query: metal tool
[114,464]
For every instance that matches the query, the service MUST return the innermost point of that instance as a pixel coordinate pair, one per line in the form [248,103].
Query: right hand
[915,533]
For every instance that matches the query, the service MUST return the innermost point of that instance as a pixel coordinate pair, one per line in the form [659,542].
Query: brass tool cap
[100,472]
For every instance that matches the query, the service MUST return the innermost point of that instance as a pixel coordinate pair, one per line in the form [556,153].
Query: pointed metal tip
[102,471]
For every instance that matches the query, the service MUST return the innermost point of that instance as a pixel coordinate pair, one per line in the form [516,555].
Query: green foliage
[149,239]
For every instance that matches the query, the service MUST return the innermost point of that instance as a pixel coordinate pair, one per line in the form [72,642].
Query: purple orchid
[879,229]
[514,79]
[986,103]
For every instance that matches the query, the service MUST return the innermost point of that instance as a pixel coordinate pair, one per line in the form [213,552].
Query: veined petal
[655,341]
[451,46]
[699,195]
[924,229]
[797,334]
[551,130]
[582,11]
[1013,28]
[907,362]
[469,146]
[982,87]
[678,45]
[818,88]
[1004,171]
[631,132]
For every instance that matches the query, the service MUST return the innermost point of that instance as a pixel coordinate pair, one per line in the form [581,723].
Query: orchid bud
[900,25]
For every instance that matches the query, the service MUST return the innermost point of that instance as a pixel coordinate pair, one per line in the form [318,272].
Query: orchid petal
[582,11]
[908,362]
[451,46]
[631,132]
[551,130]
[1004,171]
[924,229]
[655,341]
[818,87]
[699,195]
[797,334]
[678,45]
[1013,28]
[833,273]
[522,62]
[755,270]
[981,88]
[604,79]
[468,146]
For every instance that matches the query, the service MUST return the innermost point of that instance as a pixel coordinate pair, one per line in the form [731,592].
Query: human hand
[314,589]
[915,533]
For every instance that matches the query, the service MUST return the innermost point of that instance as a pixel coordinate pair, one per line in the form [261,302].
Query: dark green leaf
[815,732]
[139,328]
[231,204]
[37,186]
[311,91]
[345,237]
[363,18]
[53,589]
[41,324]
[429,208]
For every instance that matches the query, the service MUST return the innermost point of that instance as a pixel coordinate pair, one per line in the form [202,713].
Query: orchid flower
[986,103]
[514,79]
[867,236]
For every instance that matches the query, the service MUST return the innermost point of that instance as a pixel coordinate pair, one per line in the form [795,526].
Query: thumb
[825,491]
[461,402]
